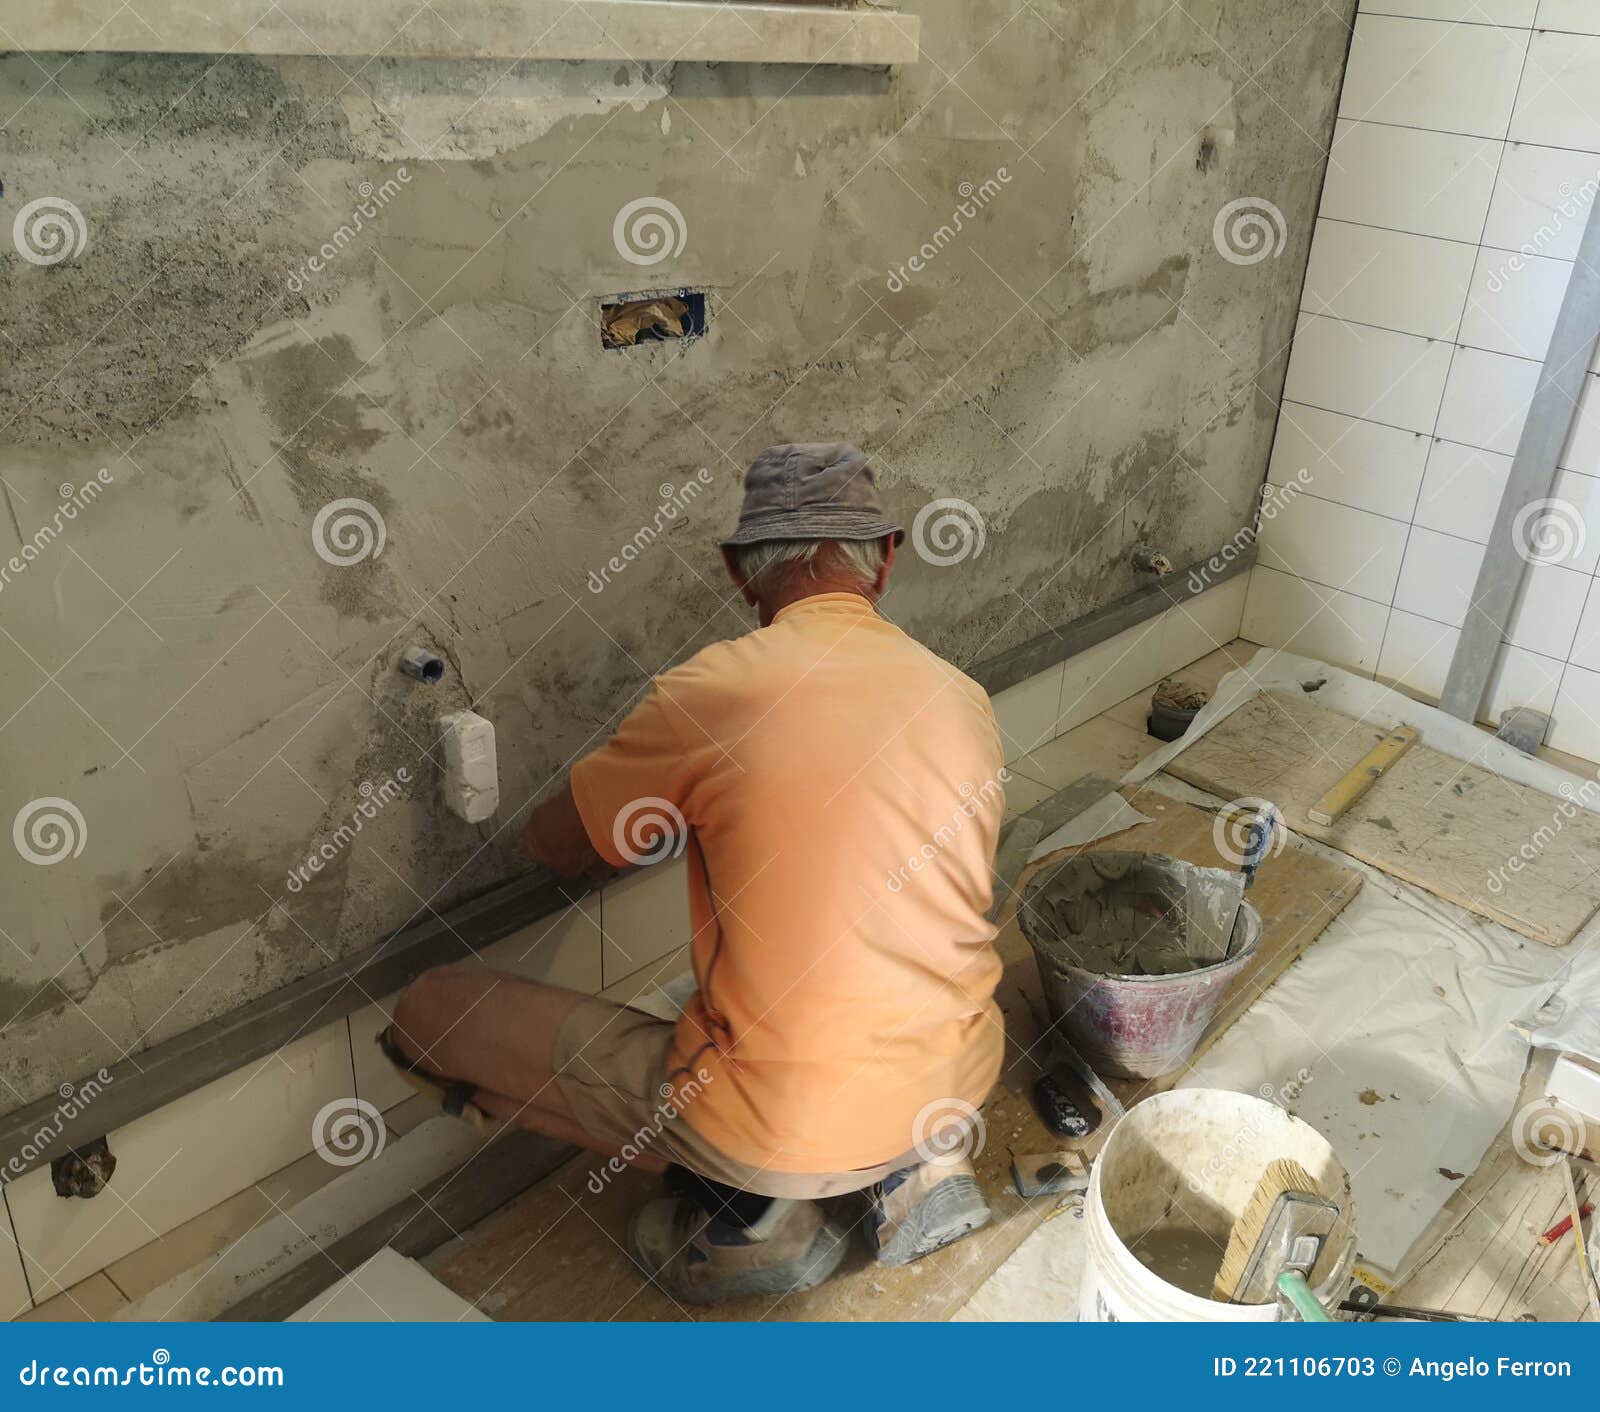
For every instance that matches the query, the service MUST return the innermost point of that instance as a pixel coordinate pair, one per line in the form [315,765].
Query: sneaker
[698,1260]
[920,1209]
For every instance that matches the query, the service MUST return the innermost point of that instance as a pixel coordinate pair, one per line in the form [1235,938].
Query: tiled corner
[1411,283]
[182,1160]
[1416,73]
[1428,183]
[1360,464]
[1284,611]
[646,915]
[1372,373]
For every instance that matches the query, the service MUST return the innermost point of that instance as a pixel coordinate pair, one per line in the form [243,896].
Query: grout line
[16,1244]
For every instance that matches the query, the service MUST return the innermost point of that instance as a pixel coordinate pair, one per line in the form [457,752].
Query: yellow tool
[1374,765]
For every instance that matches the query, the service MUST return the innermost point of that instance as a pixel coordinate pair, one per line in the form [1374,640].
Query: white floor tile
[183,1159]
[1486,12]
[1577,16]
[1282,611]
[93,1300]
[1350,550]
[1455,78]
[14,1299]
[1542,200]
[1412,283]
[1559,103]
[1513,303]
[1430,183]
[1369,373]
[1461,491]
[1360,464]
[1436,581]
[646,915]
[1487,399]
[1576,727]
[1027,712]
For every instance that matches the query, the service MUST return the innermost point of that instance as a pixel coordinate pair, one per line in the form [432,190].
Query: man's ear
[739,580]
[883,568]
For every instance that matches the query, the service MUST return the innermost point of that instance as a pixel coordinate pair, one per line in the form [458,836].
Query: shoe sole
[826,1253]
[953,1209]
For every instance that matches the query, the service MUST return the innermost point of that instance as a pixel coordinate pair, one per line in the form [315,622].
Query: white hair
[764,562]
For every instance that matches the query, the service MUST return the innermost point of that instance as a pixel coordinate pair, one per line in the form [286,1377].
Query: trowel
[1212,904]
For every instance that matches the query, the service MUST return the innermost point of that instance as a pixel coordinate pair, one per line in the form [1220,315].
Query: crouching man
[836,788]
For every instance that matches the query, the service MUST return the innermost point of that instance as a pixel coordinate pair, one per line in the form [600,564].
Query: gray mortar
[438,369]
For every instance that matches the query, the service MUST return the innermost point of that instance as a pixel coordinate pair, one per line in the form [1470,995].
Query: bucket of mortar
[1136,953]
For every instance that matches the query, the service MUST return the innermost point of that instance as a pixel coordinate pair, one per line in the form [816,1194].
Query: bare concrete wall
[215,700]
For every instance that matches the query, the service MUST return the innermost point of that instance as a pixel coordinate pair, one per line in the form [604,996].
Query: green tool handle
[1293,1287]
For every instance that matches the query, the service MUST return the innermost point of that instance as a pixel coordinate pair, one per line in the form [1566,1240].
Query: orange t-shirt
[843,789]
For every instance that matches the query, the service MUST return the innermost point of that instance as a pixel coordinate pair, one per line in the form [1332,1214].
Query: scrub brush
[1276,1241]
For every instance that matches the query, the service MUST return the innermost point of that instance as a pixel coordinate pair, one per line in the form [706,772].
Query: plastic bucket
[1132,1026]
[1189,1160]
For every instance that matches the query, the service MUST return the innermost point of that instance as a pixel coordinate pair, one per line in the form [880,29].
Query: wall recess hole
[659,317]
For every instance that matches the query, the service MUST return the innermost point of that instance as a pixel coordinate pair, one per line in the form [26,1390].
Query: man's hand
[556,837]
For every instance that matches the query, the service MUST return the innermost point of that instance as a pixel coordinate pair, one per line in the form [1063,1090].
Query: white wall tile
[1487,399]
[1513,303]
[645,915]
[1461,492]
[1436,581]
[1485,12]
[1546,621]
[1577,522]
[1027,712]
[1202,624]
[1559,102]
[13,1287]
[1102,675]
[1350,550]
[183,1159]
[1361,464]
[1369,373]
[1579,16]
[1283,611]
[1586,646]
[1413,283]
[1576,727]
[1456,78]
[1417,653]
[1429,183]
[1542,199]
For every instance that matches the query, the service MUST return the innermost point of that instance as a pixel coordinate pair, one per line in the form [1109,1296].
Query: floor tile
[89,1301]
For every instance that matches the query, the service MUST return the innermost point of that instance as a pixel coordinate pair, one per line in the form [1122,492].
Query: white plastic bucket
[1192,1158]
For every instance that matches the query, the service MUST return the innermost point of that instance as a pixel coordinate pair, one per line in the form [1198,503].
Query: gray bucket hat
[818,490]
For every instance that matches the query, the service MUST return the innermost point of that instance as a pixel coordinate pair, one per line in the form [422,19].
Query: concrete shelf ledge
[655,30]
